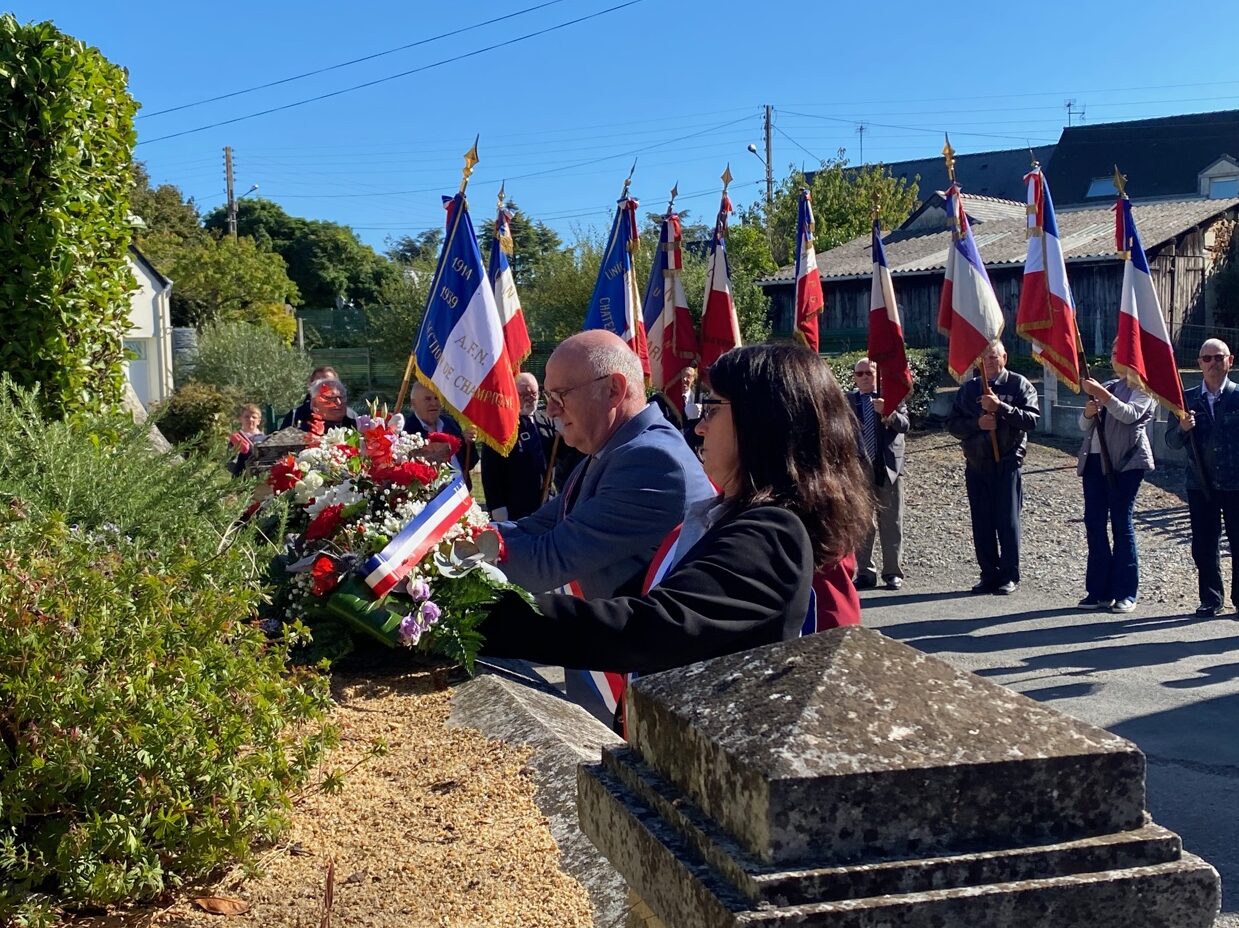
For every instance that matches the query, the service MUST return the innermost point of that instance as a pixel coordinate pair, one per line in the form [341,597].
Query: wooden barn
[1184,240]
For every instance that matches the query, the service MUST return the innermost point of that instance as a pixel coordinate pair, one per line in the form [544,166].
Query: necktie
[869,426]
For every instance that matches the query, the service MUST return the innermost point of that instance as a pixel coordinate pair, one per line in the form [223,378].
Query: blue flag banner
[616,302]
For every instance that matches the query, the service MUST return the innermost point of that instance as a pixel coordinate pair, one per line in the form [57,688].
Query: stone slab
[846,745]
[685,892]
[508,701]
[769,884]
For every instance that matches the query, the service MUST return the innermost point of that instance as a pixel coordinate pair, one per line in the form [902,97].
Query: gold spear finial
[1120,182]
[675,192]
[502,186]
[949,154]
[726,176]
[471,158]
[628,180]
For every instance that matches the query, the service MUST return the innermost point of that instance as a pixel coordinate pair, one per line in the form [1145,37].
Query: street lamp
[769,193]
[232,210]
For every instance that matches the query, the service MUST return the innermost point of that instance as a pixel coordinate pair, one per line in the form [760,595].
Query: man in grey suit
[880,435]
[636,484]
[1212,428]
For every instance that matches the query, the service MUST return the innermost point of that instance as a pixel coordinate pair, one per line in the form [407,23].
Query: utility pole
[860,130]
[232,200]
[769,163]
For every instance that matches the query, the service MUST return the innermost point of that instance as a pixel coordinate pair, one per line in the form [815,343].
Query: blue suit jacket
[634,492]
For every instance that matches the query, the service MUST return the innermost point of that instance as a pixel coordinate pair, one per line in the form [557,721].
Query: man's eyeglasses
[557,396]
[862,373]
[710,406]
[1212,357]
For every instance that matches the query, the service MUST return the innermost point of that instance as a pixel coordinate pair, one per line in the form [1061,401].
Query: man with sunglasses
[636,483]
[1210,432]
[880,436]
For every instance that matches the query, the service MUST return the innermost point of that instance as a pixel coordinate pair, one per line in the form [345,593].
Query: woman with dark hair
[780,445]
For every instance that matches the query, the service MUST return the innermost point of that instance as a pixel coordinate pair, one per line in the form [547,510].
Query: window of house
[1101,187]
[1223,187]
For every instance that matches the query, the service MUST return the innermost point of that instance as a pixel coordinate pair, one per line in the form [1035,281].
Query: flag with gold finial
[720,327]
[1047,312]
[616,302]
[969,314]
[1143,353]
[809,298]
[460,352]
[502,281]
[669,333]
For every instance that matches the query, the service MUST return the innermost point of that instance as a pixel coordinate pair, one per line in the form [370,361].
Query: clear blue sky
[680,83]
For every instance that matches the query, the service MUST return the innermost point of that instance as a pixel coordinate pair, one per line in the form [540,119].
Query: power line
[345,64]
[798,145]
[392,77]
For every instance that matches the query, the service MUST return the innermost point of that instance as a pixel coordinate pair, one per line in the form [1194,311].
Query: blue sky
[680,84]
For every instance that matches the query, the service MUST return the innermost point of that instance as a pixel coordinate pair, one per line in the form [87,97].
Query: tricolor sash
[384,570]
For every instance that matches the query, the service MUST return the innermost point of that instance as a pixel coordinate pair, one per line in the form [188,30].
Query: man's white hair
[329,382]
[602,360]
[1220,346]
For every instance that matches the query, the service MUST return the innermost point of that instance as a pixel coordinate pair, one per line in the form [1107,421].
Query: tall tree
[532,243]
[843,200]
[66,144]
[411,248]
[164,210]
[326,260]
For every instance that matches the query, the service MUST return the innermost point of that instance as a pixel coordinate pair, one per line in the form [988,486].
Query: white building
[149,339]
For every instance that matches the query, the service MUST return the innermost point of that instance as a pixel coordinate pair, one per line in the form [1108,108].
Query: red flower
[284,474]
[323,576]
[450,440]
[378,445]
[324,524]
[316,425]
[404,474]
[347,450]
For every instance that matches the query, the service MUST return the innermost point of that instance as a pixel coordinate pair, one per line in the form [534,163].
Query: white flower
[344,493]
[305,489]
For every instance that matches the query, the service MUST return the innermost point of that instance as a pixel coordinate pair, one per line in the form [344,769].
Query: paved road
[1168,682]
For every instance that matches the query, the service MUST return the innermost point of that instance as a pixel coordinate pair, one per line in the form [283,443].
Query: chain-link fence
[1190,337]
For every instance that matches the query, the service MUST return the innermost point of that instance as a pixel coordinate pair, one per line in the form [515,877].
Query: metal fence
[1189,338]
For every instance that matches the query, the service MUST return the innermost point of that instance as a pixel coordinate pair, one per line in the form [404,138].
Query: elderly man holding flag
[993,412]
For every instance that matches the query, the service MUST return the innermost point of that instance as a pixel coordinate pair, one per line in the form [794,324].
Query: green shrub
[66,137]
[199,415]
[928,373]
[149,732]
[253,361]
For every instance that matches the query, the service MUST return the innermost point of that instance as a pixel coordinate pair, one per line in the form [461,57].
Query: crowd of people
[655,534]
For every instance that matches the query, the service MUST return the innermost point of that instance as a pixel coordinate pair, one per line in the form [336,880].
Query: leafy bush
[199,415]
[928,373]
[148,732]
[66,136]
[253,361]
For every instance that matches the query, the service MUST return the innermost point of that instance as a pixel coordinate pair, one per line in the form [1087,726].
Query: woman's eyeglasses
[710,406]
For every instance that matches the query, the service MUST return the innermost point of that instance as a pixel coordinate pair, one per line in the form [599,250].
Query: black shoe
[865,583]
[1094,604]
[894,583]
[1208,612]
[984,587]
[1006,589]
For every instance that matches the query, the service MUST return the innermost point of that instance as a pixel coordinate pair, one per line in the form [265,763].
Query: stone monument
[845,780]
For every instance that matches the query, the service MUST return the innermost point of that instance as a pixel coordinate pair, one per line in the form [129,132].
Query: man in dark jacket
[880,436]
[1212,429]
[426,416]
[513,484]
[995,487]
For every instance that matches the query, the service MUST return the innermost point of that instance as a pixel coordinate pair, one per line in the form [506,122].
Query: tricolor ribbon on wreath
[384,570]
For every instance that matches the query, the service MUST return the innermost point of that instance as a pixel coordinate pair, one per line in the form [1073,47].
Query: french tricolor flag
[809,298]
[668,322]
[969,314]
[460,351]
[1047,313]
[720,327]
[886,347]
[515,332]
[384,570]
[616,301]
[1143,352]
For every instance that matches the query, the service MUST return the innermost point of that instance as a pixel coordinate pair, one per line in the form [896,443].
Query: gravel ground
[938,536]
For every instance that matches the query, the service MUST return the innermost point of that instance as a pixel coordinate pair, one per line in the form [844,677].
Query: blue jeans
[1113,571]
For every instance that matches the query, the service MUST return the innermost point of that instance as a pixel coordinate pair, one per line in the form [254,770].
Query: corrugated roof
[1086,234]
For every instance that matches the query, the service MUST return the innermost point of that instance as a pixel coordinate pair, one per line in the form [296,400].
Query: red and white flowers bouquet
[383,538]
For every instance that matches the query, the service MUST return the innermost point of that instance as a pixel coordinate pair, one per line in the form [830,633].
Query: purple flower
[418,590]
[430,613]
[410,630]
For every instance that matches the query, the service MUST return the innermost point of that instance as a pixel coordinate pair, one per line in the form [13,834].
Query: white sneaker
[1124,605]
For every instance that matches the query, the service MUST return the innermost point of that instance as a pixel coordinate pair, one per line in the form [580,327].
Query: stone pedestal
[848,780]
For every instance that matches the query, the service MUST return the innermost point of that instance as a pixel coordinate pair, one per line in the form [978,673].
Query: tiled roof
[1086,234]
[1161,157]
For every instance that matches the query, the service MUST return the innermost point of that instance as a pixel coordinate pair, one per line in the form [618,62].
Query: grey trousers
[887,524]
